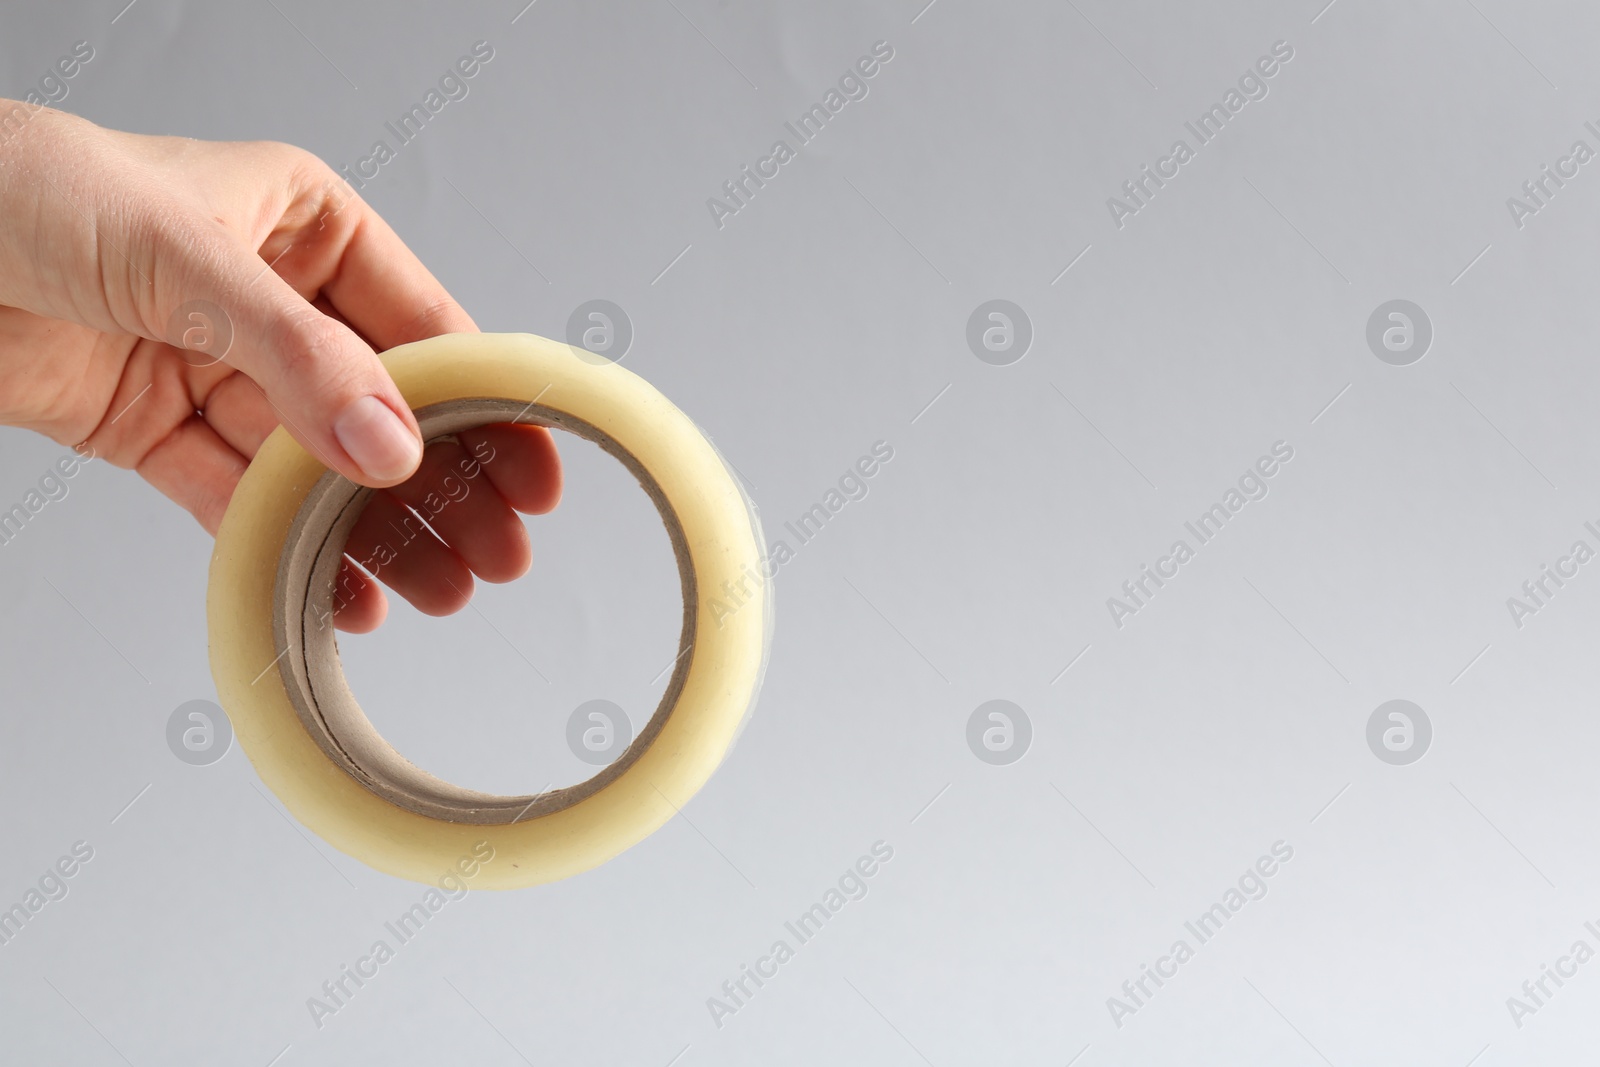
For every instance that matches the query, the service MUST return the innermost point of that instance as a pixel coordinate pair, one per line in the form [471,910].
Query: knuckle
[313,349]
[290,158]
[440,316]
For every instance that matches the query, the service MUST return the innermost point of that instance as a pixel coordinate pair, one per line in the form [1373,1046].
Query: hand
[106,236]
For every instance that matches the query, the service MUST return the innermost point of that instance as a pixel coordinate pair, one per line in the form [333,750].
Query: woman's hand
[130,264]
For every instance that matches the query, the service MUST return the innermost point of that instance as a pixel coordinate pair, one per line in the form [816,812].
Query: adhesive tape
[276,663]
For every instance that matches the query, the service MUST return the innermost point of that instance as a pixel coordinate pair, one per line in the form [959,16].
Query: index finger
[382,289]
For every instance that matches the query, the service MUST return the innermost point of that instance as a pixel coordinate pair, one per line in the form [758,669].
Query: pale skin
[104,236]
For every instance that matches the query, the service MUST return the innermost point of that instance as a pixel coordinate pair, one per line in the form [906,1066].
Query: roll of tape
[276,664]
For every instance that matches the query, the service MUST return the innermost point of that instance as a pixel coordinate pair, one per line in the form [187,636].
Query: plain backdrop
[1169,352]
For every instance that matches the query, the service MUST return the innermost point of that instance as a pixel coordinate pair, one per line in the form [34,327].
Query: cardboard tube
[275,660]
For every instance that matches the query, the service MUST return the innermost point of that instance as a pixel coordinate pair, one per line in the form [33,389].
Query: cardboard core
[308,654]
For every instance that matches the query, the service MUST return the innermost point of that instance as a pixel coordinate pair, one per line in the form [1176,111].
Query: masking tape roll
[276,663]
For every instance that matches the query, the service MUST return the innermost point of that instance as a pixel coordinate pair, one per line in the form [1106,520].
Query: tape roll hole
[314,677]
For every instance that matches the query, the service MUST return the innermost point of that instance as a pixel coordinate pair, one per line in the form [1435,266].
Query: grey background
[1229,714]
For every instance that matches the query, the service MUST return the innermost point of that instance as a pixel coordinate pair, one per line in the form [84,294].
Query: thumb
[327,386]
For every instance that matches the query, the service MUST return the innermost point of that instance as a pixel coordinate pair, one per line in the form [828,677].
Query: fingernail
[383,447]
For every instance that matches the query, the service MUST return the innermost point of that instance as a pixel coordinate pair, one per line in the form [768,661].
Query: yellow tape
[276,665]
